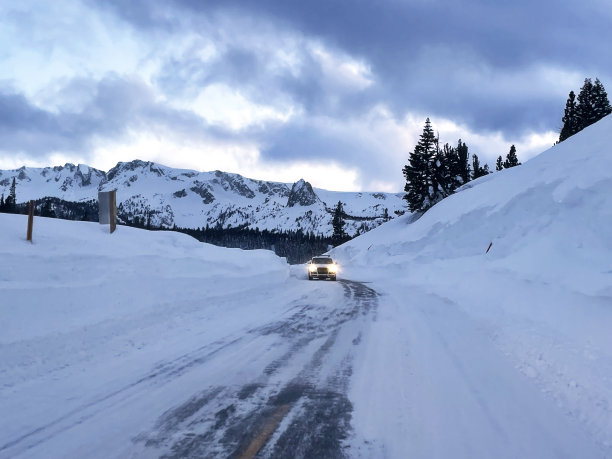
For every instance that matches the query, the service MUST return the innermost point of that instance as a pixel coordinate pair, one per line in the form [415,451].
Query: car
[322,267]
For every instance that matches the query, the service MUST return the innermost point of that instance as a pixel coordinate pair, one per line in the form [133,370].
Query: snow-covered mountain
[69,182]
[193,199]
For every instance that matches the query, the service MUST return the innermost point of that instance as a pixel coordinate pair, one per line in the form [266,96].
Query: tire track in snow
[307,415]
[78,415]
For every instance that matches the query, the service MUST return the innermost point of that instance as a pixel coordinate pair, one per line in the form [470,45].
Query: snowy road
[277,387]
[455,393]
[337,370]
[297,406]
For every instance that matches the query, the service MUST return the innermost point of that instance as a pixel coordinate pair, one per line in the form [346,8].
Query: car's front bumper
[322,273]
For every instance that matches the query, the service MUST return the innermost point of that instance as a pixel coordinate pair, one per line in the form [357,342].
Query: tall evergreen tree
[571,120]
[434,173]
[478,171]
[591,105]
[499,165]
[601,102]
[338,236]
[13,191]
[464,162]
[386,216]
[10,204]
[511,158]
[46,210]
[455,168]
[444,181]
[419,171]
[586,105]
[2,203]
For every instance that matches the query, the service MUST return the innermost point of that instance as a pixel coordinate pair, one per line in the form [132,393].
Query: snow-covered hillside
[548,220]
[542,294]
[191,199]
[83,311]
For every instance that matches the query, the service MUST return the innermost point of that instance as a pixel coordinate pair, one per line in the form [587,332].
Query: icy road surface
[332,369]
[275,385]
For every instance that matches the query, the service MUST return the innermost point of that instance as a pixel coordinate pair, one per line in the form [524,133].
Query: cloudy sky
[335,92]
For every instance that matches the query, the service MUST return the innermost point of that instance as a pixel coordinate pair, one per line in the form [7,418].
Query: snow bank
[543,293]
[548,220]
[75,273]
[85,314]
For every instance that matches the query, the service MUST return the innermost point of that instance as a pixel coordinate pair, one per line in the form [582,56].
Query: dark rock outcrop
[301,194]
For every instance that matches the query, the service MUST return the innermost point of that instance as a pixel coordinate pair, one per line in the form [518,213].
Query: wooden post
[113,211]
[31,206]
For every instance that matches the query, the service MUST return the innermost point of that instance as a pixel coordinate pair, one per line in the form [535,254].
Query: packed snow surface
[148,344]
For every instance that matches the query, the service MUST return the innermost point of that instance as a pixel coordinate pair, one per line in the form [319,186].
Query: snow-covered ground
[85,314]
[539,302]
[147,344]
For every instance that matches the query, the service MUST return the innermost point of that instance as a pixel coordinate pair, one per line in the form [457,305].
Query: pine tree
[601,104]
[443,180]
[2,203]
[475,167]
[586,105]
[386,217]
[511,158]
[464,162]
[10,204]
[499,165]
[478,171]
[338,236]
[46,210]
[454,168]
[571,120]
[592,104]
[459,164]
[419,172]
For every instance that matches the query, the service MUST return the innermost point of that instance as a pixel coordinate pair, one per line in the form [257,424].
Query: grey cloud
[24,127]
[145,14]
[250,72]
[433,57]
[303,141]
[116,106]
[237,66]
[394,37]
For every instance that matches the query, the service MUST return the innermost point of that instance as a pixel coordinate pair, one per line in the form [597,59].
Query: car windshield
[322,261]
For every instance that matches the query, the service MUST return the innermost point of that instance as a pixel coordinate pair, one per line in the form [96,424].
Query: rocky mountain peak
[233,182]
[136,164]
[301,194]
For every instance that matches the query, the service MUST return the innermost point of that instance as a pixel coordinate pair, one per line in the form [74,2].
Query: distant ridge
[167,196]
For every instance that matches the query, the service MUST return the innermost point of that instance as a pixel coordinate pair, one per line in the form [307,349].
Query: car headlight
[332,268]
[312,268]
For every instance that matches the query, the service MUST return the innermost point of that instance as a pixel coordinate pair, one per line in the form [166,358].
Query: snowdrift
[88,318]
[542,294]
[548,220]
[75,273]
